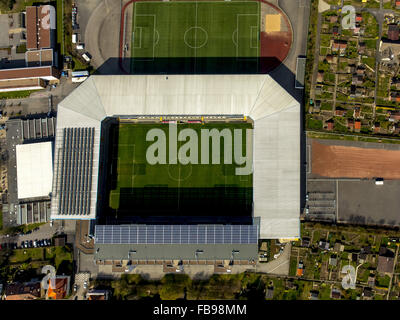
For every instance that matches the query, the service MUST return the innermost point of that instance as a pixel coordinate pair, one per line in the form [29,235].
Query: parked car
[30,244]
[35,244]
[85,285]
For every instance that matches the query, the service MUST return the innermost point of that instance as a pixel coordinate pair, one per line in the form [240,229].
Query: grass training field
[195,32]
[139,188]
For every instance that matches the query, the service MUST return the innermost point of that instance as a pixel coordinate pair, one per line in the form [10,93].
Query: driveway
[279,266]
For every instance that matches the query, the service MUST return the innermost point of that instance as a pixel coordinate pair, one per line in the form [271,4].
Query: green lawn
[58,256]
[16,94]
[138,181]
[183,31]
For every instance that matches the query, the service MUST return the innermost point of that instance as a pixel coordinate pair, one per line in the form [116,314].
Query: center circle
[195,37]
[179,172]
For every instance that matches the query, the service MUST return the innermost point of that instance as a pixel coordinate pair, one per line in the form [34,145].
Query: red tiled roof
[44,34]
[21,73]
[37,36]
[31,28]
[57,288]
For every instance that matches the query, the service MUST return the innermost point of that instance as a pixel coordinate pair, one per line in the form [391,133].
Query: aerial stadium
[100,173]
[172,163]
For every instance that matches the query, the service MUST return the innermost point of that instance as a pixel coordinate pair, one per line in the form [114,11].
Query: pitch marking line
[237,28]
[154,34]
[140,38]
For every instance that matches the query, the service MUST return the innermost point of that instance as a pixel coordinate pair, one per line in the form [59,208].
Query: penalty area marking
[155,33]
[257,15]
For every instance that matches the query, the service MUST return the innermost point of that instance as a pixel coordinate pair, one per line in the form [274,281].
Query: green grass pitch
[195,30]
[136,183]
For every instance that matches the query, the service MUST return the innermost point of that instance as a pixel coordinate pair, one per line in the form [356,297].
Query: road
[392,274]
[102,36]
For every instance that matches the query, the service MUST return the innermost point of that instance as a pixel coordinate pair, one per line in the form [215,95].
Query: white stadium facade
[276,140]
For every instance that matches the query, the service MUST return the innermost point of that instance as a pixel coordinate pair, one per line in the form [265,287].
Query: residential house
[394,96]
[338,247]
[333,260]
[371,280]
[305,242]
[393,32]
[397,4]
[357,112]
[377,127]
[367,294]
[291,285]
[357,80]
[300,269]
[335,30]
[330,124]
[339,46]
[340,112]
[23,291]
[60,241]
[335,293]
[394,116]
[58,287]
[329,58]
[320,76]
[362,257]
[366,249]
[323,245]
[360,70]
[357,30]
[385,261]
[357,126]
[350,124]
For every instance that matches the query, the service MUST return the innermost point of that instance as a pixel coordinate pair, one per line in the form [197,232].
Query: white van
[86,56]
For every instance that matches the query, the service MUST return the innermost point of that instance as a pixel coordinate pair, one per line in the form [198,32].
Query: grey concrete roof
[175,251]
[276,135]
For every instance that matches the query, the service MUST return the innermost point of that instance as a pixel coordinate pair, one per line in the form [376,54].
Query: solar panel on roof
[176,234]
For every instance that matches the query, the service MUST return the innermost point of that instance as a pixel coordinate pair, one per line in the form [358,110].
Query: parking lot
[352,200]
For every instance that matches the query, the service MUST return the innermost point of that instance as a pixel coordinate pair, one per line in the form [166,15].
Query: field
[192,33]
[337,161]
[140,188]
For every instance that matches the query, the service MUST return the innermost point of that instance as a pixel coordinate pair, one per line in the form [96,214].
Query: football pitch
[192,32]
[141,189]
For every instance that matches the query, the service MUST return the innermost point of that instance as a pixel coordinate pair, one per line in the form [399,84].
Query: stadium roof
[276,136]
[34,169]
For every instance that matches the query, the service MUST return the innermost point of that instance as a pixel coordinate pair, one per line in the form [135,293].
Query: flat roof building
[34,170]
